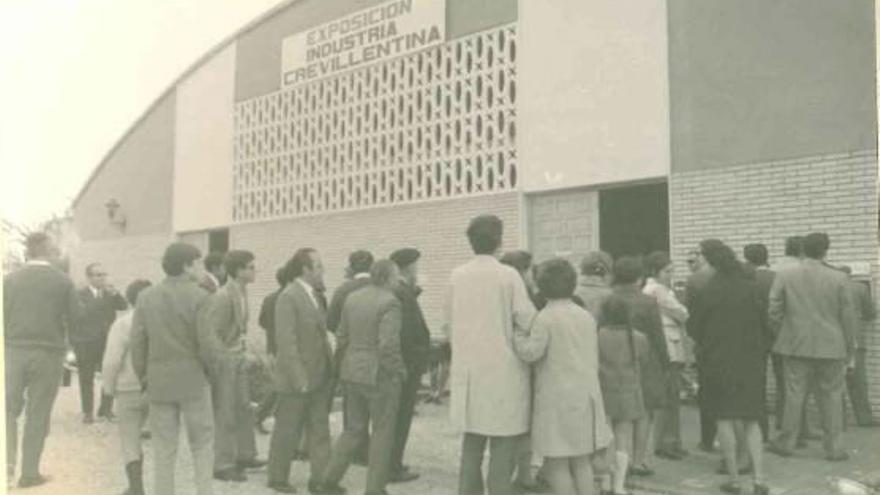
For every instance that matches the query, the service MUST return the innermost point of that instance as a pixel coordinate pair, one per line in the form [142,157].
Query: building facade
[625,126]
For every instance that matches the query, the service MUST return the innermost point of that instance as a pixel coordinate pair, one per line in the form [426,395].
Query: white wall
[203,145]
[592,96]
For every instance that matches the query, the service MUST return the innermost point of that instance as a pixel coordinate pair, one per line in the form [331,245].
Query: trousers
[502,459]
[89,356]
[294,414]
[198,421]
[669,427]
[372,413]
[132,410]
[857,389]
[32,379]
[234,438]
[828,377]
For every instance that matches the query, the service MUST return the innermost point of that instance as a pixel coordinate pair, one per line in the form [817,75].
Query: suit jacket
[369,337]
[644,316]
[267,320]
[98,313]
[40,307]
[209,283]
[303,353]
[334,314]
[812,312]
[172,351]
[415,338]
[227,315]
[866,310]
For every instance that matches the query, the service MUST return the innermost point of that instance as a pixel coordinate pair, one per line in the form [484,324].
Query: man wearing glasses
[100,302]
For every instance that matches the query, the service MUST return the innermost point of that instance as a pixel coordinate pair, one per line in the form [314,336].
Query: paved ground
[84,460]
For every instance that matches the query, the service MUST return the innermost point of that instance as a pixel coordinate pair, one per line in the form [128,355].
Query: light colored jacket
[811,311]
[117,372]
[226,315]
[490,385]
[673,314]
[303,355]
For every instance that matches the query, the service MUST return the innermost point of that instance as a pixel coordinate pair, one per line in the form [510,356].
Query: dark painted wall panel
[758,80]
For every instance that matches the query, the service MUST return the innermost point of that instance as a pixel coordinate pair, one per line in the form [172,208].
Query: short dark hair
[756,254]
[484,233]
[381,271]
[614,311]
[90,268]
[707,246]
[816,245]
[596,263]
[179,255]
[627,270]
[281,276]
[656,261]
[556,279]
[724,261]
[301,258]
[135,288]
[519,260]
[213,260]
[236,260]
[38,245]
[794,246]
[360,261]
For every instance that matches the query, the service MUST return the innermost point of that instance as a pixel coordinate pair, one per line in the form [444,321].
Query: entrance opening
[218,241]
[634,220]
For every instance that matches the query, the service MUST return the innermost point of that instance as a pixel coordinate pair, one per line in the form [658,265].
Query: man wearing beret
[415,343]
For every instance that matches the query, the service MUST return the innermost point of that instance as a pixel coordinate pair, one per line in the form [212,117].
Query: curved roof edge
[171,87]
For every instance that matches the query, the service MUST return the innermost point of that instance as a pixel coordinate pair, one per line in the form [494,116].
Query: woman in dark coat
[730,331]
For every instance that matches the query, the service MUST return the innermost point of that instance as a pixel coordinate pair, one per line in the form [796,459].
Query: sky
[75,74]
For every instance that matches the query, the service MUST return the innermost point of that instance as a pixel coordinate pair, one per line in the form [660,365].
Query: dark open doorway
[218,241]
[634,220]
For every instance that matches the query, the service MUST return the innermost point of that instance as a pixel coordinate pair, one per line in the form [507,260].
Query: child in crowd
[568,416]
[620,350]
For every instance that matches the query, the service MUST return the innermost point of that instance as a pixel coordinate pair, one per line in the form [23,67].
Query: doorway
[634,220]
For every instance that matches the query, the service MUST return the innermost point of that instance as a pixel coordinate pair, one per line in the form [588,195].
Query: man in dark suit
[267,323]
[756,257]
[372,373]
[40,307]
[215,273]
[701,272]
[174,356]
[303,374]
[811,309]
[100,302]
[235,448]
[415,344]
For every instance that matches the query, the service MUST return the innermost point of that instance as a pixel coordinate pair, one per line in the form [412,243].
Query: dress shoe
[325,489]
[88,419]
[533,487]
[230,474]
[781,452]
[837,457]
[680,451]
[760,489]
[642,470]
[707,447]
[731,487]
[35,480]
[809,435]
[109,416]
[668,454]
[282,487]
[251,463]
[722,469]
[801,443]
[403,475]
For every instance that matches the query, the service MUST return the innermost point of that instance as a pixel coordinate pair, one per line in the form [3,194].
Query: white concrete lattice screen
[437,124]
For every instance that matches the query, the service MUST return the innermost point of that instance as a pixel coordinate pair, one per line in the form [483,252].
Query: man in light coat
[812,310]
[491,390]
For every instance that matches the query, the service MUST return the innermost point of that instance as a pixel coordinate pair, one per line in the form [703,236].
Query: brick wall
[767,202]
[564,224]
[437,229]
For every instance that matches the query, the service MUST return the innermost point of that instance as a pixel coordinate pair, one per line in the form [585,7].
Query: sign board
[371,35]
